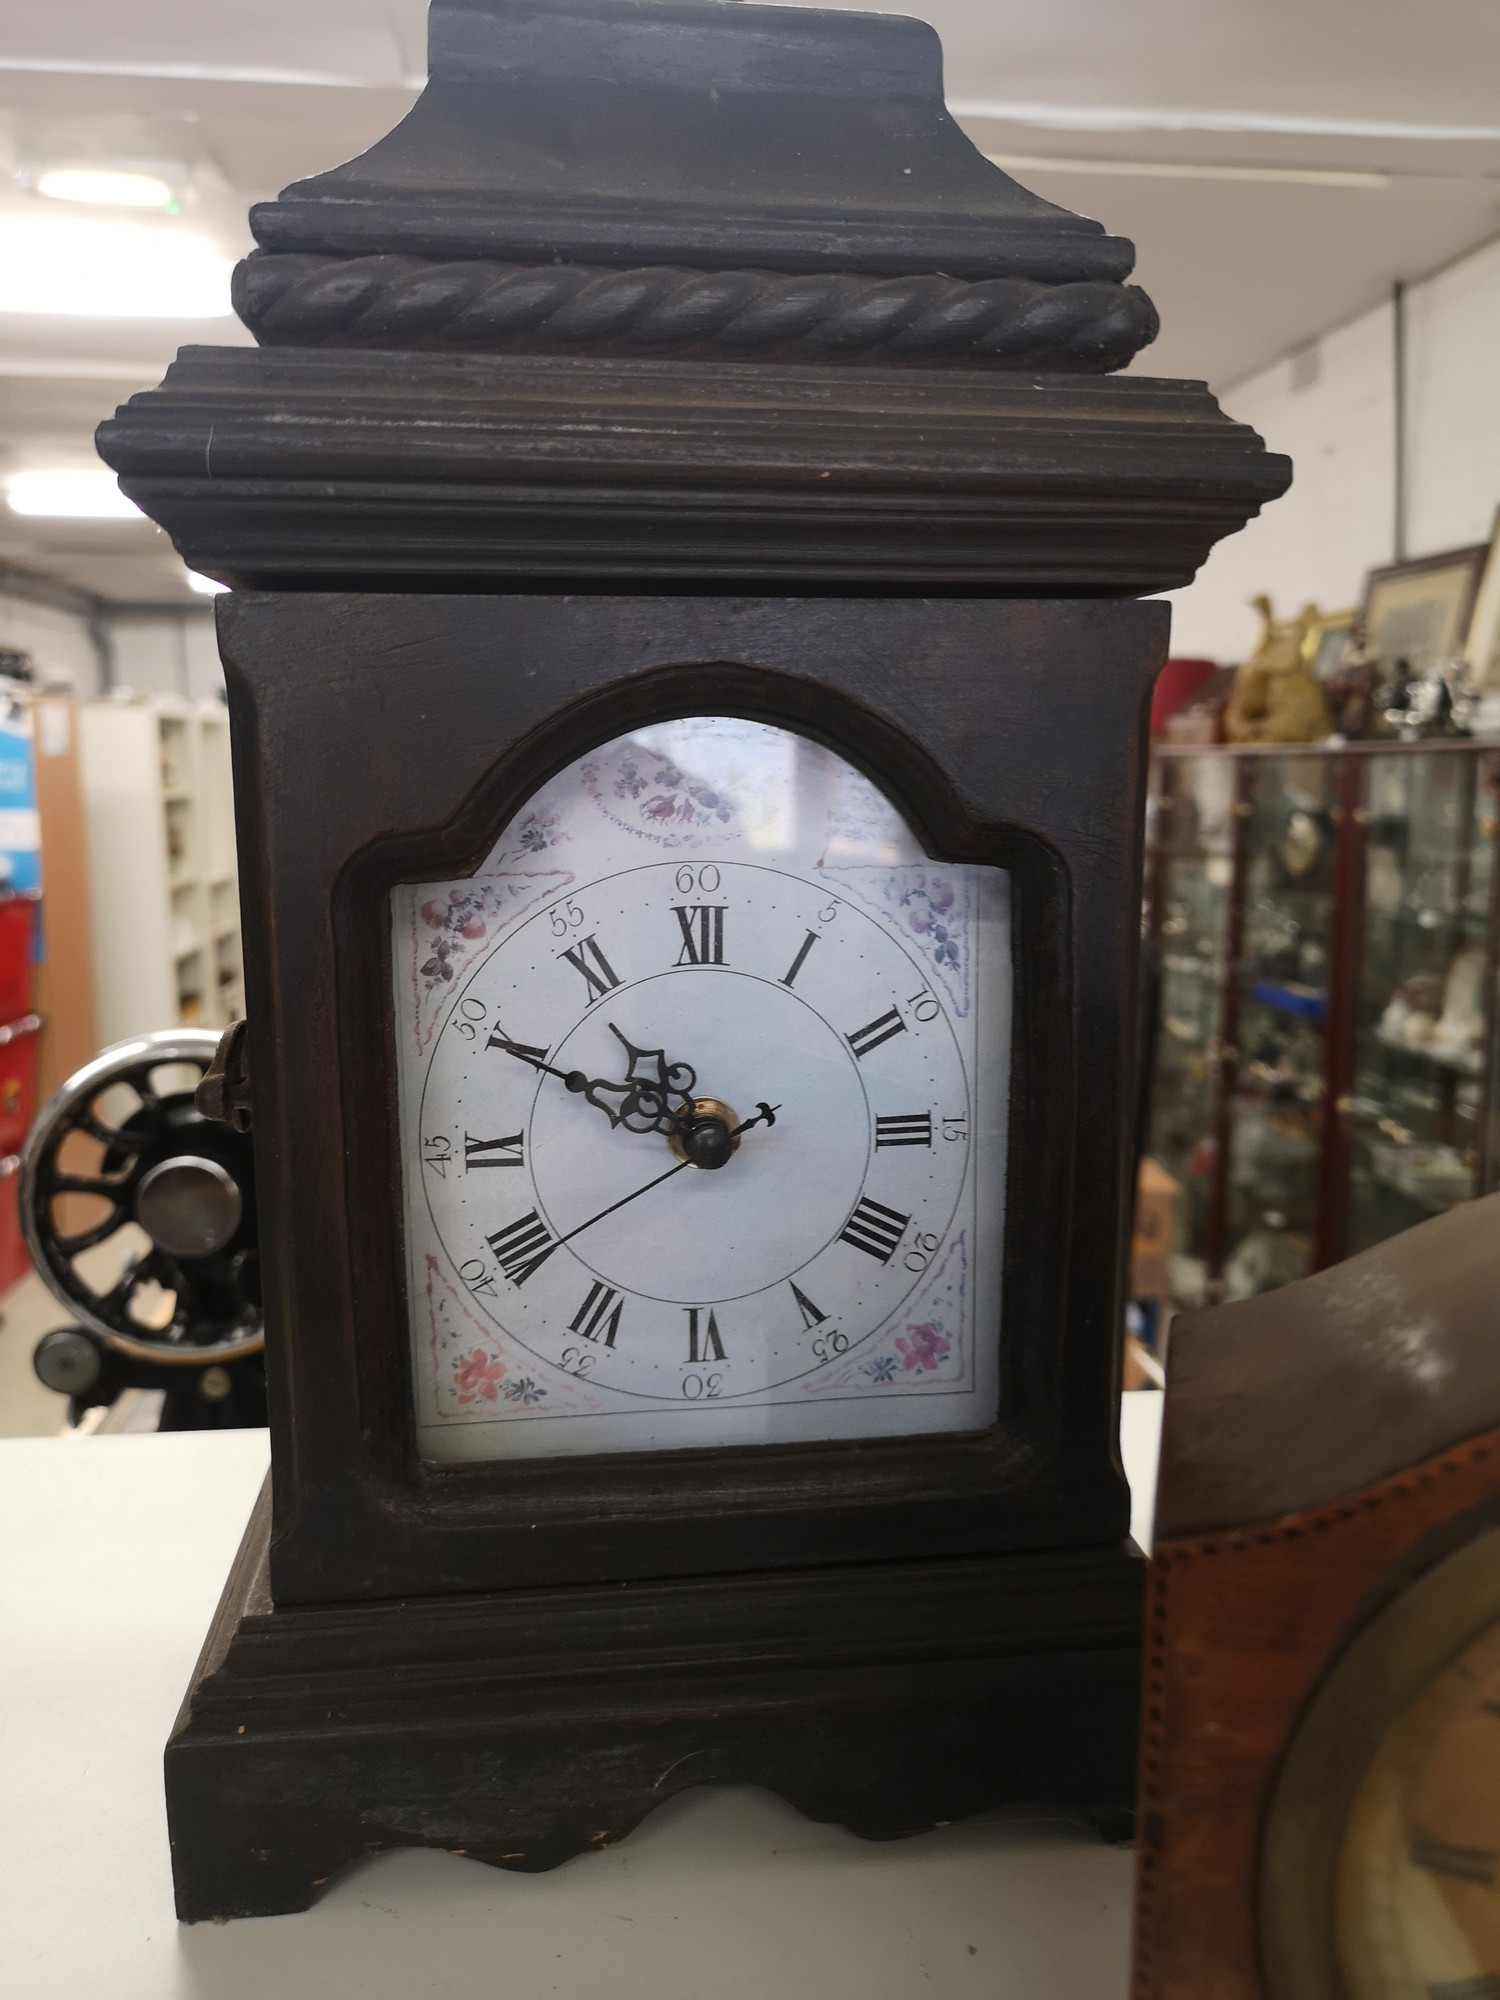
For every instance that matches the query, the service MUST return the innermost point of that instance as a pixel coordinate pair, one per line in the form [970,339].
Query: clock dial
[1419,1876]
[703,1092]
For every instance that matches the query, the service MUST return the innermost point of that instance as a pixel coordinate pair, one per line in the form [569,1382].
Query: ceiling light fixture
[109,270]
[73,495]
[105,187]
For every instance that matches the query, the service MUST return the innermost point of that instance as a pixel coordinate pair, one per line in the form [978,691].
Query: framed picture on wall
[1419,611]
[1324,642]
[1483,645]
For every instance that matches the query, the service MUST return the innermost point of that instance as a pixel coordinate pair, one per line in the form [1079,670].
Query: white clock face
[703,1088]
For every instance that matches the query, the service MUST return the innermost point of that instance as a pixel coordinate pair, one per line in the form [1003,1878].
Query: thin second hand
[765,1116]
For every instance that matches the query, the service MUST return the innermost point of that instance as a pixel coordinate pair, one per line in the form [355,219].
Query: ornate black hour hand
[656,1096]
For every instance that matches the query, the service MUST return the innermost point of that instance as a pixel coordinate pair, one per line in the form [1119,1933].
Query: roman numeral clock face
[703,1088]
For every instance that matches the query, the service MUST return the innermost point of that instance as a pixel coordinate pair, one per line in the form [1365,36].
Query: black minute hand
[765,1115]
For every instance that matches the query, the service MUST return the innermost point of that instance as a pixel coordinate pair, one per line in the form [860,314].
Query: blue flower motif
[883,1370]
[525,1391]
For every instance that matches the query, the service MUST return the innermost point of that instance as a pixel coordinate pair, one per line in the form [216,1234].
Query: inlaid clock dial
[703,1093]
[1419,1875]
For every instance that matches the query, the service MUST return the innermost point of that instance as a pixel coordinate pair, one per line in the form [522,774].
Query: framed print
[1419,611]
[1324,642]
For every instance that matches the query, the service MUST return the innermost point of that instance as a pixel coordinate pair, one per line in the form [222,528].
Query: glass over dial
[1419,1874]
[703,1084]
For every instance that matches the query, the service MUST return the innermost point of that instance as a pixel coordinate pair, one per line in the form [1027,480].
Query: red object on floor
[20,1046]
[14,1263]
[1177,682]
[17,933]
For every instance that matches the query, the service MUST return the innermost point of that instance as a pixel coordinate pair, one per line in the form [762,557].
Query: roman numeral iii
[598,974]
[702,927]
[523,1247]
[875,1229]
[704,1343]
[911,1130]
[599,1315]
[873,1033]
[494,1152]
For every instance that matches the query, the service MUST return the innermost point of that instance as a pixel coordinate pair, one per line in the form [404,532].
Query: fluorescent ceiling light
[1133,118]
[109,270]
[206,586]
[70,496]
[104,187]
[1188,170]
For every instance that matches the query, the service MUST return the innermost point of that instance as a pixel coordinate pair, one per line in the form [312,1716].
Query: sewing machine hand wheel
[139,1214]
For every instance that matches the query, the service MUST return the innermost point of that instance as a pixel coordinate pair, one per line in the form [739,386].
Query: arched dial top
[703,1084]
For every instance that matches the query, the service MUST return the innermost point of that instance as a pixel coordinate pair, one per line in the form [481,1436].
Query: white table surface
[113,1552]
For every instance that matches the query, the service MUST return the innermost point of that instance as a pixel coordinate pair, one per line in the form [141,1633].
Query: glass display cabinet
[1326,1072]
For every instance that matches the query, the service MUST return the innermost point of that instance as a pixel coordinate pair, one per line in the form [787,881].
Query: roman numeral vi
[875,1229]
[704,1343]
[599,975]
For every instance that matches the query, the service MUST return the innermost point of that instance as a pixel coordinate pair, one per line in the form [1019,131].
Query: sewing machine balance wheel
[139,1214]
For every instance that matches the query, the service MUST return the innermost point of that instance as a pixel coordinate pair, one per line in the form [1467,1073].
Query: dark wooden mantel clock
[688,708]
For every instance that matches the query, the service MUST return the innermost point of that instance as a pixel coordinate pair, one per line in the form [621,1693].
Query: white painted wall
[172,655]
[58,641]
[162,655]
[1337,521]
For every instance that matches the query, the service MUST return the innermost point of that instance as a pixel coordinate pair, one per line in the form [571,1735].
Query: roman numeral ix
[702,927]
[494,1152]
[522,1248]
[599,975]
[875,1229]
[912,1130]
[1463,1864]
[704,1343]
[599,1315]
[873,1033]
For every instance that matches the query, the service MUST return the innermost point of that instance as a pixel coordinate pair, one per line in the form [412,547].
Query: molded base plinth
[525,1727]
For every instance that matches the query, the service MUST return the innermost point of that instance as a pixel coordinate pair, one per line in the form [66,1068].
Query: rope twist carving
[290,298]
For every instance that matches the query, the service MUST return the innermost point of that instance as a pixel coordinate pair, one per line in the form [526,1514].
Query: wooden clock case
[521,466]
[1325,1447]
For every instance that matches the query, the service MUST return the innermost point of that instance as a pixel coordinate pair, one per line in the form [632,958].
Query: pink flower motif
[434,915]
[923,1347]
[477,1376]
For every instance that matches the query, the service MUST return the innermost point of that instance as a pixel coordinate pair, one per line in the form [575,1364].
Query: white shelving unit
[163,886]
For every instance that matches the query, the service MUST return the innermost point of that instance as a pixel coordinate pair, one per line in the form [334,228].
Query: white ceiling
[1359,108]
